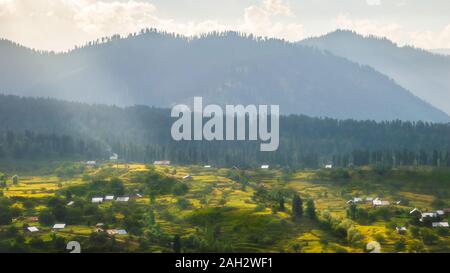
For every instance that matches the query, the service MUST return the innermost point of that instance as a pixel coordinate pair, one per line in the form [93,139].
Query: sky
[59,25]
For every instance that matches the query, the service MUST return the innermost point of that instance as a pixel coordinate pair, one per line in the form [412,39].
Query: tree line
[33,128]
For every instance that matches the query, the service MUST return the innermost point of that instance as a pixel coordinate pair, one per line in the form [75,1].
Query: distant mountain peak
[425,74]
[161,69]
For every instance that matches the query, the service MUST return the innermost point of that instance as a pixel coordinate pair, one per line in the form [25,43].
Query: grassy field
[219,213]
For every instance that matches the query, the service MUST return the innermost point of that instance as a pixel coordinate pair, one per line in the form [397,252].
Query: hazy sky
[61,24]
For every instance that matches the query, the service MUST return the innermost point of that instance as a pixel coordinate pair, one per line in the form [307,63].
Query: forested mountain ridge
[425,74]
[40,128]
[160,69]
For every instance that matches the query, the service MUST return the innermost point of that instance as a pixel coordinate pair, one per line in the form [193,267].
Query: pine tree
[311,209]
[297,206]
[177,244]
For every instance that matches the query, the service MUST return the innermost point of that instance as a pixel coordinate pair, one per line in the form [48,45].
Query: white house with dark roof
[59,226]
[439,224]
[32,229]
[380,203]
[109,198]
[162,162]
[91,163]
[97,200]
[416,212]
[187,177]
[121,232]
[401,230]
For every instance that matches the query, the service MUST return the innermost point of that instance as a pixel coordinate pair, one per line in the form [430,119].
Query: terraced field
[221,213]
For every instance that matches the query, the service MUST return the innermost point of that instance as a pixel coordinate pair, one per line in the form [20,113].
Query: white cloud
[276,7]
[373,2]
[397,33]
[259,20]
[431,39]
[368,27]
[61,24]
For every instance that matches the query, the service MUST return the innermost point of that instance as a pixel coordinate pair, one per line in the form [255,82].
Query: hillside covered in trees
[160,69]
[425,74]
[47,128]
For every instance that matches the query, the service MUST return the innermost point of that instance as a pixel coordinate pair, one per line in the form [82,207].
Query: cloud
[61,24]
[259,20]
[431,39]
[102,17]
[397,33]
[373,2]
[368,27]
[276,7]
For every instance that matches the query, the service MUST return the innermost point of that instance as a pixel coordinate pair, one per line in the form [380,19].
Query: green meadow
[198,209]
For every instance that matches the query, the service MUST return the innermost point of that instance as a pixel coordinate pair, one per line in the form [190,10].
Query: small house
[428,216]
[116,232]
[111,231]
[439,224]
[328,166]
[380,203]
[70,203]
[355,200]
[440,213]
[32,229]
[32,219]
[114,157]
[187,177]
[401,230]
[264,167]
[15,179]
[162,162]
[97,200]
[109,198]
[121,232]
[59,226]
[91,163]
[207,166]
[416,213]
[122,199]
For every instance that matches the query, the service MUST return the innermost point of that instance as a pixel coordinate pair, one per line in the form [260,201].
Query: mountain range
[161,69]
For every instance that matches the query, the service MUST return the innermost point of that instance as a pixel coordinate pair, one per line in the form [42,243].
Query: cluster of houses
[99,200]
[435,218]
[100,228]
[55,227]
[376,202]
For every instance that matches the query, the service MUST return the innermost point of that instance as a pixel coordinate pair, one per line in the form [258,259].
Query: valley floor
[218,210]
